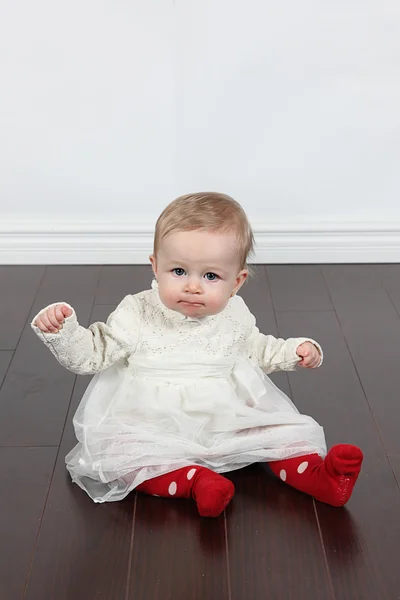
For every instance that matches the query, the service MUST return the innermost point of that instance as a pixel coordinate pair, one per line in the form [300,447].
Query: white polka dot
[191,473]
[282,475]
[302,467]
[172,488]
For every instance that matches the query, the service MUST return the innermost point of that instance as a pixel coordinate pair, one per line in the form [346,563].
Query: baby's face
[197,271]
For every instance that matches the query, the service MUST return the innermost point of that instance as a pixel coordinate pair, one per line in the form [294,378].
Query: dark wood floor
[273,543]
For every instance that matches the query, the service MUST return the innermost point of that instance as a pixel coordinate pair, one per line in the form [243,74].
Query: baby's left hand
[309,354]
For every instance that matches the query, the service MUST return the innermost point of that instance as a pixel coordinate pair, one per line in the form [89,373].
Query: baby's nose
[193,285]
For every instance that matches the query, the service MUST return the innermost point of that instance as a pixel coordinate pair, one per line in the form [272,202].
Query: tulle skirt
[157,415]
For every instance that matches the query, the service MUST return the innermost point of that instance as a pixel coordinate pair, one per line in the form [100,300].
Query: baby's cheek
[167,298]
[213,307]
[217,303]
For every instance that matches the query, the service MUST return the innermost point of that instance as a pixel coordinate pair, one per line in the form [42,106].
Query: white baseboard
[34,242]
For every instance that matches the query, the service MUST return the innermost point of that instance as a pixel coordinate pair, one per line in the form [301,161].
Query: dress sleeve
[271,353]
[88,351]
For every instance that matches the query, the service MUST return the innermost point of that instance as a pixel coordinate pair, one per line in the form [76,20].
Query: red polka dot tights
[330,480]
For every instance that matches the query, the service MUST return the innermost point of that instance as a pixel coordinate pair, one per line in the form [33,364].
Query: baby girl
[181,392]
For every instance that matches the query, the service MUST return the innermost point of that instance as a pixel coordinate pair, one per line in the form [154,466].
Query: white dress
[171,391]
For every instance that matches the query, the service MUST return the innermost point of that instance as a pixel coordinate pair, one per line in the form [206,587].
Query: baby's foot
[331,480]
[340,471]
[211,491]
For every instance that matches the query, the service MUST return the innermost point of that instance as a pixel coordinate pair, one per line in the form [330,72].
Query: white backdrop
[108,110]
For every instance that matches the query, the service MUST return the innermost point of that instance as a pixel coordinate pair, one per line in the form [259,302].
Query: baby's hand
[309,354]
[51,321]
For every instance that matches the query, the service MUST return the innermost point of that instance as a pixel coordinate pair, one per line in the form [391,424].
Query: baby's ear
[240,279]
[152,259]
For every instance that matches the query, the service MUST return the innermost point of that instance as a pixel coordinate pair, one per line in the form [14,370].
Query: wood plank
[18,286]
[395,298]
[372,329]
[362,540]
[35,395]
[5,359]
[395,463]
[118,281]
[176,553]
[76,285]
[389,275]
[275,549]
[83,547]
[299,287]
[25,475]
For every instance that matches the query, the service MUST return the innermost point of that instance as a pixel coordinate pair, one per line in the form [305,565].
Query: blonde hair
[209,211]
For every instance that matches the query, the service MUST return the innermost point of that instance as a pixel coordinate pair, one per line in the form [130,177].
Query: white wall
[87,107]
[108,110]
[294,106]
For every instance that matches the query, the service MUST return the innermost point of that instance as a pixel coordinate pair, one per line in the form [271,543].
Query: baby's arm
[276,354]
[87,351]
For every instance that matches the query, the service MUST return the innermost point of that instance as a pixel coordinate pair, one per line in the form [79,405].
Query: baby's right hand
[51,320]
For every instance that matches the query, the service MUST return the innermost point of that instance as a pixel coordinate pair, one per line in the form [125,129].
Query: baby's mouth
[191,303]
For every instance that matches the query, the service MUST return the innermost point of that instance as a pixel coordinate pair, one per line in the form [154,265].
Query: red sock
[211,491]
[331,480]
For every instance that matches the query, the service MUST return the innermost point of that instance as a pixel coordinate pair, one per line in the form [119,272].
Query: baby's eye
[179,272]
[211,276]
